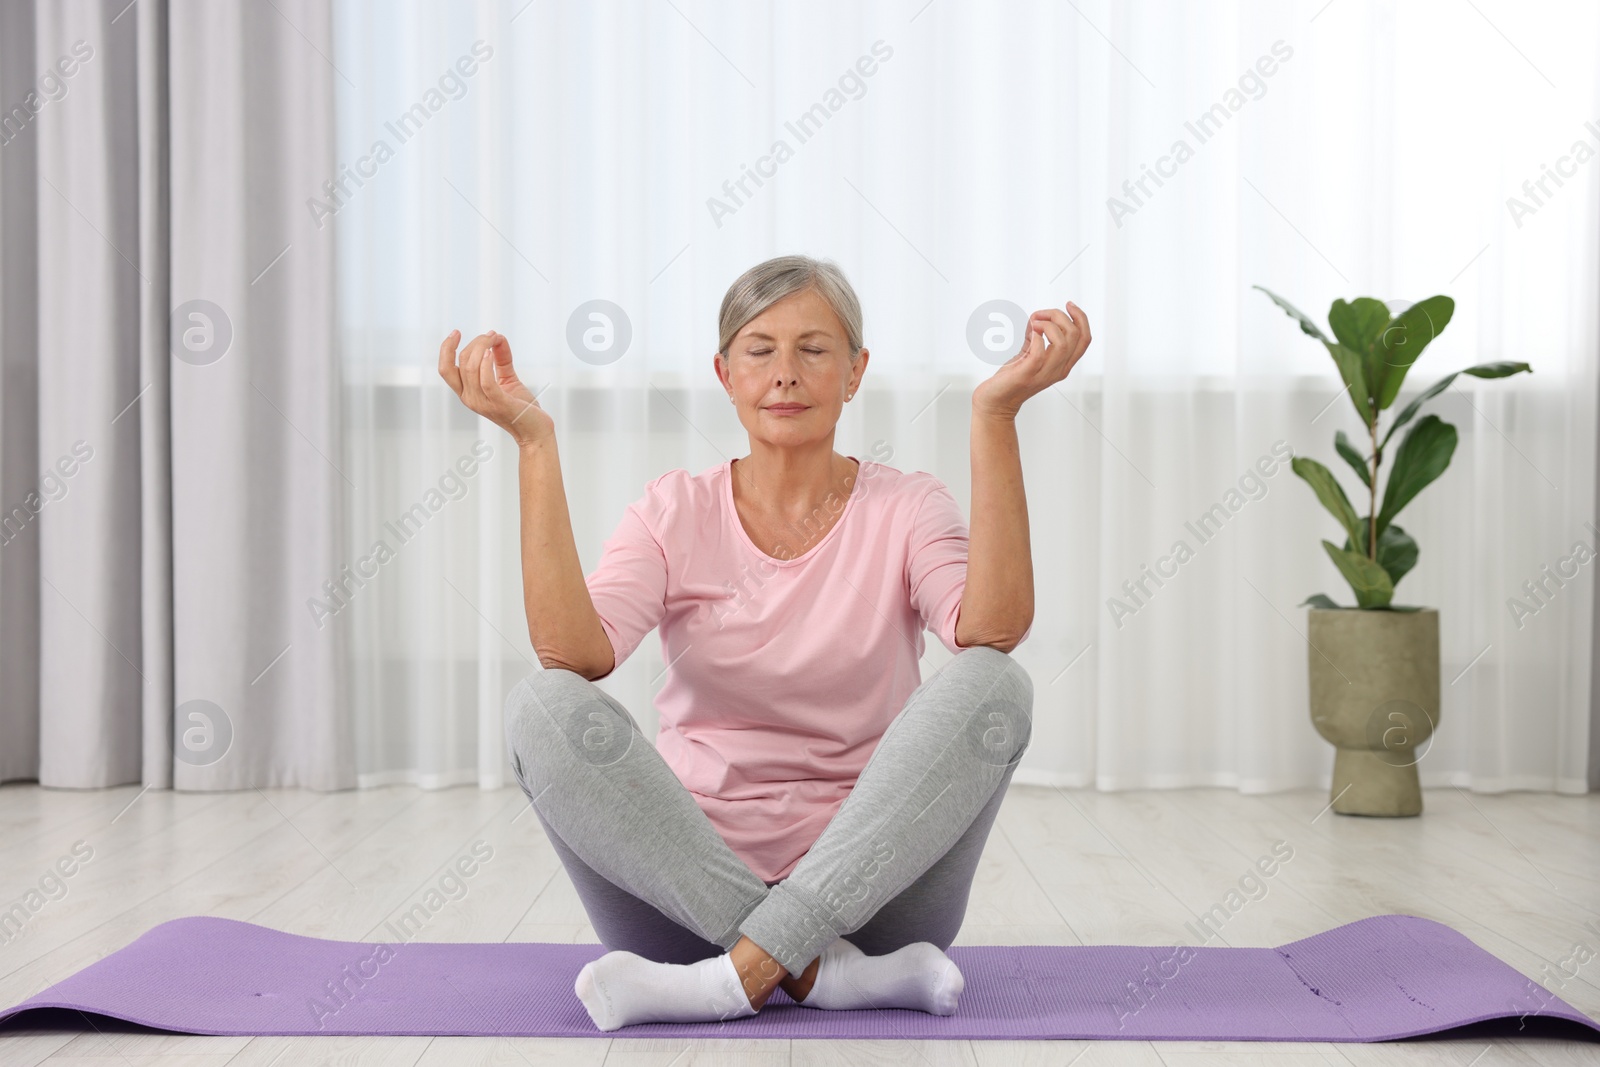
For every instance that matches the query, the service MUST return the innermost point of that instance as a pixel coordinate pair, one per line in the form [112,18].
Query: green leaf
[1306,325]
[1369,581]
[1355,379]
[1329,491]
[1424,454]
[1412,331]
[1397,552]
[1342,444]
[1359,325]
[1318,600]
[1482,370]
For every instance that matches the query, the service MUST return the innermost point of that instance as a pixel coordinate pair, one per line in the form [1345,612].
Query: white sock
[622,988]
[918,976]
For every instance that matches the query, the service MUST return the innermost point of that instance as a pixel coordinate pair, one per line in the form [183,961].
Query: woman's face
[789,371]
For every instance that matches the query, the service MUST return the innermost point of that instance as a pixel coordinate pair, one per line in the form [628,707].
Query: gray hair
[765,284]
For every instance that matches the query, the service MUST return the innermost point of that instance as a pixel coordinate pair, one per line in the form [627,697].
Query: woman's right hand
[487,383]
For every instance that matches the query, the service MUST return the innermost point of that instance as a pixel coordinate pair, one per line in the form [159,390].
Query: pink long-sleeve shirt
[782,673]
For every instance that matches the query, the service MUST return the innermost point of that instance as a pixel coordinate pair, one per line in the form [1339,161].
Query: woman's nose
[786,372]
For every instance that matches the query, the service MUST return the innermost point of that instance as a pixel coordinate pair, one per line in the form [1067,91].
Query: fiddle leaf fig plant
[1373,349]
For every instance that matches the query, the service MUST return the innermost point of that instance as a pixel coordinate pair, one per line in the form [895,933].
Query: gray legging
[894,865]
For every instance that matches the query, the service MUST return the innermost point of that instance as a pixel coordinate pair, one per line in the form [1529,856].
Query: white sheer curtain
[957,155]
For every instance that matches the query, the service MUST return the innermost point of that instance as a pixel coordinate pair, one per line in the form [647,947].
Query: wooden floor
[1517,873]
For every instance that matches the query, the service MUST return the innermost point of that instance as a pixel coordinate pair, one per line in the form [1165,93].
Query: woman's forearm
[562,623]
[997,604]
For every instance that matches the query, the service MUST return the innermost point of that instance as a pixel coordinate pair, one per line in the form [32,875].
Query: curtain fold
[257,485]
[98,273]
[19,385]
[170,399]
[153,404]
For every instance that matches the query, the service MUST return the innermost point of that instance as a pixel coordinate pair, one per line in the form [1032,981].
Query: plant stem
[1372,506]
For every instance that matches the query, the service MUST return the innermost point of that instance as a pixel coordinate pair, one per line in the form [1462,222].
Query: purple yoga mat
[1382,978]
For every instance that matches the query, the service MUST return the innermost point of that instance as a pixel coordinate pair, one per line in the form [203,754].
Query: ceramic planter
[1375,697]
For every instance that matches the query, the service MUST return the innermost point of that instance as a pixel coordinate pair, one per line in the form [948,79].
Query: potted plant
[1374,668]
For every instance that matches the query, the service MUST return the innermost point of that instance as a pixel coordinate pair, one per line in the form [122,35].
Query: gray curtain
[170,485]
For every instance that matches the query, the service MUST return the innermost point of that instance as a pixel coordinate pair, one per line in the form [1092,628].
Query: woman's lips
[786,409]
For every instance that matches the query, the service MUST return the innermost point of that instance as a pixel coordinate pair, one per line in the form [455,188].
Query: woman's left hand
[1036,367]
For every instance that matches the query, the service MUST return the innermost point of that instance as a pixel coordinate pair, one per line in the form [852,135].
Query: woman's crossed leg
[892,869]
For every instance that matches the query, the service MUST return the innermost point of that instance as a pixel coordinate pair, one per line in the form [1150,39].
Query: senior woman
[812,812]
